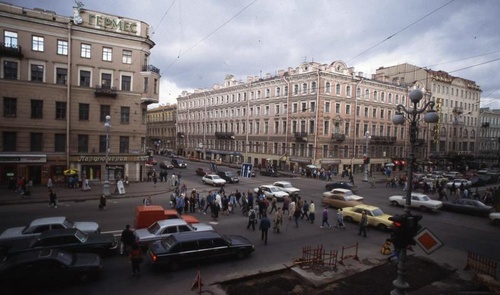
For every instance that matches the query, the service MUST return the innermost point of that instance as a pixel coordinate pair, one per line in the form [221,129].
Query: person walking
[135,258]
[102,202]
[325,219]
[274,202]
[252,219]
[264,226]
[127,240]
[52,198]
[305,211]
[155,178]
[340,219]
[50,184]
[278,220]
[363,223]
[312,212]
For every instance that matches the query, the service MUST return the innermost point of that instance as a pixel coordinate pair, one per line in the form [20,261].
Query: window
[107,54]
[348,91]
[62,47]
[85,50]
[313,87]
[83,111]
[146,82]
[327,107]
[124,144]
[83,143]
[105,111]
[278,91]
[36,109]
[366,112]
[35,142]
[295,89]
[60,142]
[125,115]
[9,140]
[268,92]
[328,87]
[61,76]
[85,78]
[374,113]
[106,80]
[348,109]
[9,107]
[304,88]
[10,39]
[337,89]
[60,110]
[37,73]
[126,83]
[102,143]
[10,70]
[127,57]
[326,127]
[337,108]
[375,95]
[312,107]
[367,94]
[37,43]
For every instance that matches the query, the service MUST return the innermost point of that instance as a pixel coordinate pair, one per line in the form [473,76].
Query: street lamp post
[367,140]
[414,116]
[105,186]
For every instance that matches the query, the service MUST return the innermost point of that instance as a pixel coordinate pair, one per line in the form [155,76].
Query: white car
[418,200]
[287,187]
[495,218]
[213,179]
[163,228]
[458,182]
[271,191]
[345,193]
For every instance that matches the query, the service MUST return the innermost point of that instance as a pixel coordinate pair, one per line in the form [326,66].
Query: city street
[460,233]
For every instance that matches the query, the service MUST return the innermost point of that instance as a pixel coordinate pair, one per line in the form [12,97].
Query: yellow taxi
[376,217]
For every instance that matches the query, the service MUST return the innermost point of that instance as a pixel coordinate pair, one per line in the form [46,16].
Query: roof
[195,235]
[367,207]
[341,190]
[59,232]
[33,255]
[48,220]
[172,222]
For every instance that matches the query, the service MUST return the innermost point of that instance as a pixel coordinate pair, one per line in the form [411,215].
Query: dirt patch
[422,275]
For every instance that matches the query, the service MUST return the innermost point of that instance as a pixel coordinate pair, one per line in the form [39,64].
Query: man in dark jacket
[264,226]
[127,239]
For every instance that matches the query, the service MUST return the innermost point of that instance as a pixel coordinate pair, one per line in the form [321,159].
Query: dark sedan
[48,266]
[468,206]
[72,240]
[202,171]
[193,247]
[341,184]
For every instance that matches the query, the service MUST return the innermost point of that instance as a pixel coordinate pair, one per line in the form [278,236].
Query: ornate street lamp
[413,117]
[366,157]
[105,186]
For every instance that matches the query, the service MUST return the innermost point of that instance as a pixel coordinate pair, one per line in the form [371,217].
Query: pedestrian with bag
[252,219]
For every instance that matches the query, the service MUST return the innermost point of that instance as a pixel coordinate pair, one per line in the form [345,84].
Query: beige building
[161,136]
[60,77]
[321,114]
[454,140]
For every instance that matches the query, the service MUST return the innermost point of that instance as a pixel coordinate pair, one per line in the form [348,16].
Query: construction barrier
[318,256]
[349,252]
[481,264]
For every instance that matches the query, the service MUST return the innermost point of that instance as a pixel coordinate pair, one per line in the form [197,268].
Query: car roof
[59,232]
[366,207]
[48,220]
[283,181]
[195,235]
[341,189]
[268,185]
[33,255]
[172,222]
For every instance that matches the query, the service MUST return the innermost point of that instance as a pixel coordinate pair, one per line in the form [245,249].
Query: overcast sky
[198,42]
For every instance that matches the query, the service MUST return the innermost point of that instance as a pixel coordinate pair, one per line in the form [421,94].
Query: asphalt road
[460,233]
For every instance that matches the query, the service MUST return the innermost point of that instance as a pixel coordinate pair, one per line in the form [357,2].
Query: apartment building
[315,114]
[489,138]
[161,126]
[454,139]
[60,77]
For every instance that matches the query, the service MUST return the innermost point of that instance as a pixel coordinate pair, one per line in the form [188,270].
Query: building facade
[59,80]
[316,114]
[161,132]
[453,141]
[489,138]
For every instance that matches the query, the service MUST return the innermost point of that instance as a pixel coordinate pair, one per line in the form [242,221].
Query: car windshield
[67,223]
[425,198]
[215,177]
[274,189]
[348,198]
[81,236]
[286,185]
[154,228]
[347,193]
[377,212]
[65,258]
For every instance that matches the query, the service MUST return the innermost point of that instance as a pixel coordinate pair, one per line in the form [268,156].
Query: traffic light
[413,227]
[398,231]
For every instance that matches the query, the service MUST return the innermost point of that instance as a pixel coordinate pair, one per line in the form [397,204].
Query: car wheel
[348,219]
[203,181]
[382,227]
[394,203]
[215,184]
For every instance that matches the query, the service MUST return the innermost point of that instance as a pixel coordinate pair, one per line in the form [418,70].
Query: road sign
[428,241]
[120,187]
[246,170]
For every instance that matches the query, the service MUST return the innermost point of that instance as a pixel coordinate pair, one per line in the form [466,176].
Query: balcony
[10,51]
[150,68]
[181,134]
[338,137]
[300,136]
[224,135]
[106,91]
[382,139]
[458,110]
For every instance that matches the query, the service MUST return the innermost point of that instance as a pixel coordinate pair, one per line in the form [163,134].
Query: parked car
[495,218]
[178,163]
[346,193]
[40,225]
[147,215]
[180,249]
[453,174]
[166,165]
[477,181]
[228,176]
[202,171]
[287,187]
[213,179]
[341,184]
[48,267]
[418,200]
[458,182]
[468,206]
[376,217]
[72,240]
[271,191]
[163,228]
[339,201]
